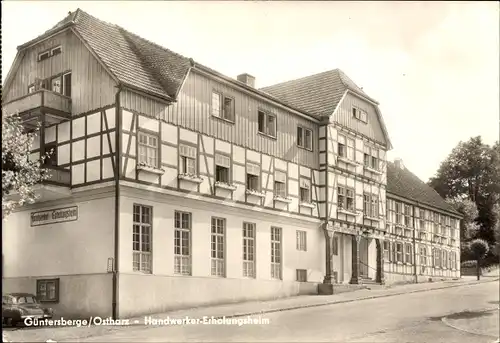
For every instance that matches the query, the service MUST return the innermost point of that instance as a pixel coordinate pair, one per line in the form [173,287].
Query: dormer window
[360,114]
[43,55]
[55,51]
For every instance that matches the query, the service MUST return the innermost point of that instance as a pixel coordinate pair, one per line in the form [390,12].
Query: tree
[472,171]
[19,173]
[479,248]
[469,228]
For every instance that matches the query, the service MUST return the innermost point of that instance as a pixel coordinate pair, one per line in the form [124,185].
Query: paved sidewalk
[60,334]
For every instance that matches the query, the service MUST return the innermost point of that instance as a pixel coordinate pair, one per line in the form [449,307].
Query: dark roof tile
[405,184]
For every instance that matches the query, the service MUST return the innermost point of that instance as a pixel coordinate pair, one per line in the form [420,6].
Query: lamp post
[111,269]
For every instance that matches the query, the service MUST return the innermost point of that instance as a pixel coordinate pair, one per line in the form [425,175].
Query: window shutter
[253,169]
[305,183]
[280,176]
[187,151]
[223,161]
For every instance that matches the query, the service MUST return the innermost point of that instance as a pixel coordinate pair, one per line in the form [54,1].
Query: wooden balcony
[42,105]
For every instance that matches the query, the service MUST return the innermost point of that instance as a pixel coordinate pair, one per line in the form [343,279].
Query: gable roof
[404,183]
[317,94]
[132,60]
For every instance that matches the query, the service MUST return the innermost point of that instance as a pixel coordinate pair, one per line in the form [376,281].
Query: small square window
[47,290]
[43,56]
[301,275]
[56,51]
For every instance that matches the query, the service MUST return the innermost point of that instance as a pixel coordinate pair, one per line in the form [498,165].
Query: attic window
[43,55]
[360,114]
[55,51]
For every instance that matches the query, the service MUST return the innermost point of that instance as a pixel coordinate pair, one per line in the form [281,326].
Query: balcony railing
[58,176]
[49,101]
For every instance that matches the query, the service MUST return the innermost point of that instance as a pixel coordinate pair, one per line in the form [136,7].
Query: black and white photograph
[251,171]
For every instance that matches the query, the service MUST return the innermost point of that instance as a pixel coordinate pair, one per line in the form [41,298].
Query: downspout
[117,203]
[328,275]
[414,243]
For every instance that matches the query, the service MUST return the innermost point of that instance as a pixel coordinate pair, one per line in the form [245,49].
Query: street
[467,313]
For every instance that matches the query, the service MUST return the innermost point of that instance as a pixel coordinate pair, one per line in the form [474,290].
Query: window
[55,51]
[253,173]
[304,138]
[187,160]
[267,123]
[305,190]
[387,251]
[301,275]
[301,240]
[445,259]
[360,114]
[335,245]
[43,55]
[218,232]
[67,84]
[345,199]
[423,256]
[182,243]
[47,290]
[31,89]
[422,220]
[141,240]
[222,167]
[437,258]
[249,250]
[423,236]
[346,147]
[399,252]
[408,255]
[222,106]
[407,215]
[399,210]
[148,149]
[370,205]
[51,150]
[56,85]
[280,184]
[275,252]
[371,157]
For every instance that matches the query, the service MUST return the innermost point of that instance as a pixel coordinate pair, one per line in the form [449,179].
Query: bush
[469,264]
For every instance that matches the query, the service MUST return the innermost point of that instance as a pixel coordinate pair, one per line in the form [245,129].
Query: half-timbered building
[173,185]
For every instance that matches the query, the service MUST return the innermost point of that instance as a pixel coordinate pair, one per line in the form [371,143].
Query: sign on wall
[57,215]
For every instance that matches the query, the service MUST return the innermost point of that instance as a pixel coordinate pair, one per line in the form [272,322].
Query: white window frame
[399,252]
[143,256]
[42,54]
[370,205]
[222,162]
[55,48]
[304,140]
[218,246]
[253,170]
[52,87]
[267,129]
[305,185]
[360,114]
[182,246]
[276,252]
[148,152]
[301,240]
[371,157]
[280,184]
[408,253]
[342,197]
[348,147]
[249,249]
[188,160]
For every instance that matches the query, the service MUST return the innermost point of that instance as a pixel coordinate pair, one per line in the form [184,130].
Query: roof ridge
[300,78]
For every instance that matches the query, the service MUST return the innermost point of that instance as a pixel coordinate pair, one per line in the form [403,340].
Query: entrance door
[363,257]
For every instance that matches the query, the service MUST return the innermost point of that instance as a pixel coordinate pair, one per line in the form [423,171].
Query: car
[16,307]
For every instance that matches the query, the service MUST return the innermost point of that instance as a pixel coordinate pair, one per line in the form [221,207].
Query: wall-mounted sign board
[58,215]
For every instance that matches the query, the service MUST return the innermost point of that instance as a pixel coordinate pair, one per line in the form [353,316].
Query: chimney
[247,79]
[399,163]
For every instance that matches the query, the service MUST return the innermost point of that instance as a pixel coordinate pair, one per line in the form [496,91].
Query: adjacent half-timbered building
[423,230]
[173,185]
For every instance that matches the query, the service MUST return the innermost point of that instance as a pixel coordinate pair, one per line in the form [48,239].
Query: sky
[432,66]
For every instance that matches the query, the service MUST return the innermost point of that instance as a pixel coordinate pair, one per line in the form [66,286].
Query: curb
[446,322]
[345,301]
